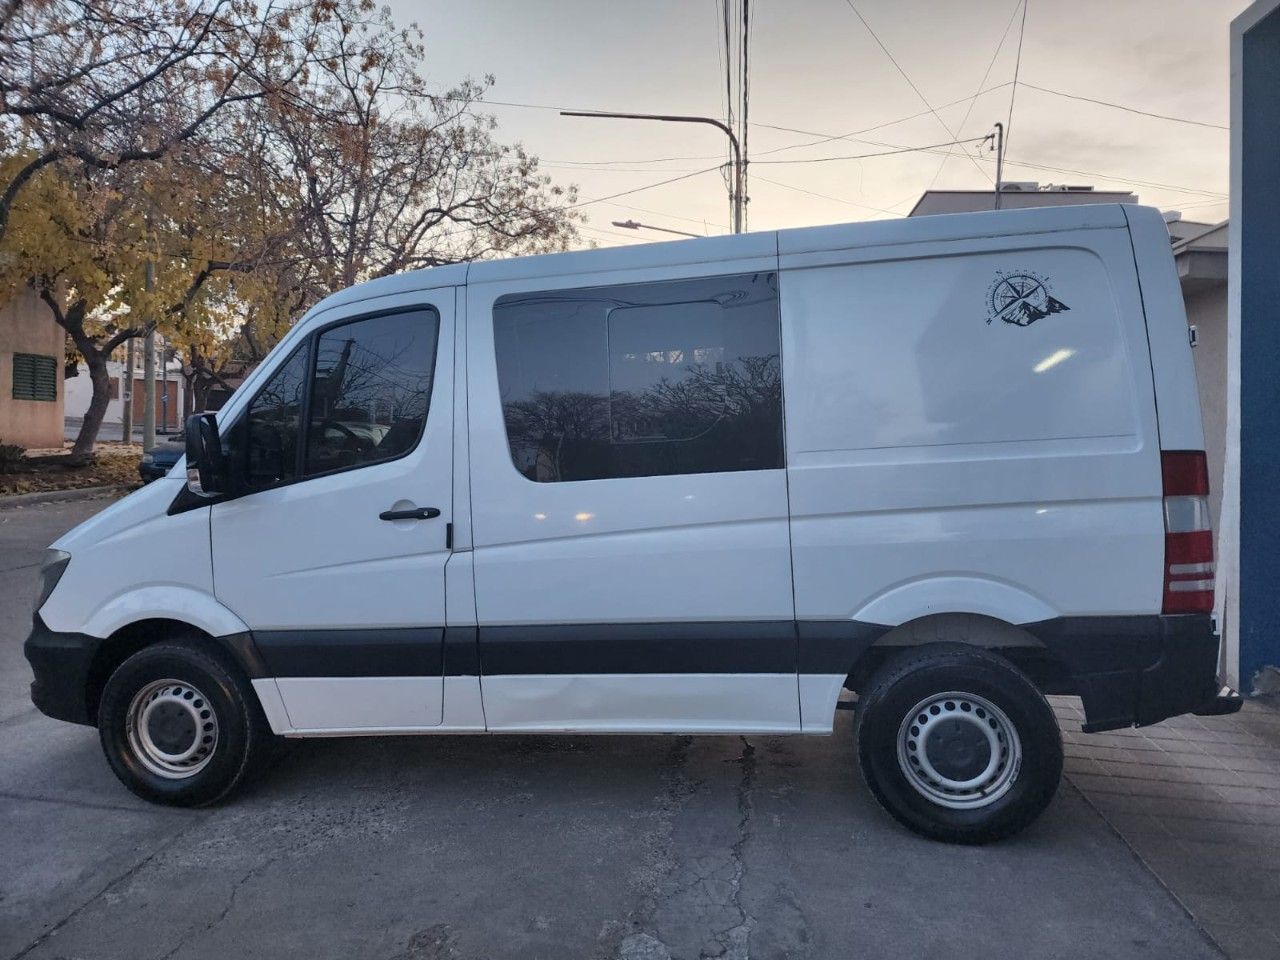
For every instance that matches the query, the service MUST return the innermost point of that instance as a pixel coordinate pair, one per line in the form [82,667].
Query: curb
[63,496]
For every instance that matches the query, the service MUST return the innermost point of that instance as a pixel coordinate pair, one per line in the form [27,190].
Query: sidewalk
[1198,800]
[115,431]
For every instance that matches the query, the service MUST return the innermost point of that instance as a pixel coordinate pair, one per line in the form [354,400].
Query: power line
[853,134]
[627,193]
[820,138]
[930,148]
[1013,93]
[824,196]
[981,85]
[1120,106]
[605,168]
[951,133]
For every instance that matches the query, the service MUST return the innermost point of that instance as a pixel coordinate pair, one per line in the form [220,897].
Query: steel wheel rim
[959,750]
[172,729]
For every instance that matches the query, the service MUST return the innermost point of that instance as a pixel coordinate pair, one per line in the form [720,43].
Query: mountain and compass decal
[1021,298]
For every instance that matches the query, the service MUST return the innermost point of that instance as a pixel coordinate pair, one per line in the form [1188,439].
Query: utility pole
[149,374]
[126,394]
[997,139]
[164,389]
[736,198]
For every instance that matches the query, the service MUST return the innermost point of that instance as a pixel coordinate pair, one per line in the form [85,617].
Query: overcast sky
[816,68]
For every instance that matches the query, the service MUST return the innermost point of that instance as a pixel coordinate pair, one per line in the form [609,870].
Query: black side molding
[394,652]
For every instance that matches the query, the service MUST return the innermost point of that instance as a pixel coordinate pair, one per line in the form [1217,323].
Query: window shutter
[35,377]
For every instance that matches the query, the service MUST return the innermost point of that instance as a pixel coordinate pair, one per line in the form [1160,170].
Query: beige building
[1014,195]
[31,359]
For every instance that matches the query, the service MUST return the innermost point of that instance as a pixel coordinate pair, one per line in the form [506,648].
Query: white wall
[79,390]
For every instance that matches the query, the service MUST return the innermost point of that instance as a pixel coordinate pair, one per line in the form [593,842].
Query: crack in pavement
[735,939]
[110,885]
[703,902]
[661,859]
[223,913]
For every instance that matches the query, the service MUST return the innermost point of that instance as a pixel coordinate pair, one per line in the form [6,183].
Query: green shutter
[34,377]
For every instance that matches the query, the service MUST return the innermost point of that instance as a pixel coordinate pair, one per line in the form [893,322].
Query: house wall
[79,391]
[1250,563]
[1207,311]
[27,326]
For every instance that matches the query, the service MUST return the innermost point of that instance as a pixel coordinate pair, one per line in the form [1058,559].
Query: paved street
[551,847]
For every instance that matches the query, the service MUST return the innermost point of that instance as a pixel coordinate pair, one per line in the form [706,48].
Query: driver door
[335,555]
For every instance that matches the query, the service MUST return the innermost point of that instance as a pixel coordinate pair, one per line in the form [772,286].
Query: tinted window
[273,424]
[642,380]
[371,389]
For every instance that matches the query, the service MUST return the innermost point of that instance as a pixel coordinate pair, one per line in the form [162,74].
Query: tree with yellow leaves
[335,164]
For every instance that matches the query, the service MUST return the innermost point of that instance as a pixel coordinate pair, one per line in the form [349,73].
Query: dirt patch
[44,470]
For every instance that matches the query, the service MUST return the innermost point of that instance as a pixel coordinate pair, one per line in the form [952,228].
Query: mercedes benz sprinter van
[949,464]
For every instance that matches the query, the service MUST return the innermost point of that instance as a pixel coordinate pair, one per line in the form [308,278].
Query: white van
[950,464]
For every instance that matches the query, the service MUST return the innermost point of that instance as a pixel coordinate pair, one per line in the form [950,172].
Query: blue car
[162,457]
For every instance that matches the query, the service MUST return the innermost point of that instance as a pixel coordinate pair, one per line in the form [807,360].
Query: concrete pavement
[555,847]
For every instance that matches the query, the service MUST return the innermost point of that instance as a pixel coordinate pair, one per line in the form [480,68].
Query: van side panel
[680,548]
[615,601]
[971,428]
[1177,398]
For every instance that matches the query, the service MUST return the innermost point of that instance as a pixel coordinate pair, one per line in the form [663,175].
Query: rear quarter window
[993,348]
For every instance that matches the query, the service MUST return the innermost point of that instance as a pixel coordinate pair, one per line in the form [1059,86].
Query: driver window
[273,424]
[371,390]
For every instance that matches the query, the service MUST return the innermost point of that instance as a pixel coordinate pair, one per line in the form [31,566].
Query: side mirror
[206,473]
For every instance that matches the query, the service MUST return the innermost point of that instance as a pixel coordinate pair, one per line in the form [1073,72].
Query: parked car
[160,459]
[951,464]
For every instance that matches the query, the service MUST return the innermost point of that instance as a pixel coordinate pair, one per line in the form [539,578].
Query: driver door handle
[416,513]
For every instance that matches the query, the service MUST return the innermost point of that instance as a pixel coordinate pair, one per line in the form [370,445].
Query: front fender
[164,602]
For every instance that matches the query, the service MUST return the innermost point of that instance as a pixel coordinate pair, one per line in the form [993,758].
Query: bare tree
[104,83]
[252,159]
[398,177]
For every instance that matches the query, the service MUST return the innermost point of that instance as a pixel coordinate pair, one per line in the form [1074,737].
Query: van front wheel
[179,725]
[958,744]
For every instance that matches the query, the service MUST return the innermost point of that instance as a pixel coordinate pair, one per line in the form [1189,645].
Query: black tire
[222,697]
[1021,790]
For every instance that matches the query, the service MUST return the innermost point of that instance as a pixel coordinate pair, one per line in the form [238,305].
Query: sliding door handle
[415,513]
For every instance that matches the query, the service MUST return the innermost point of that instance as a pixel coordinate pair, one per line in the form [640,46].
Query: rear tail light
[1188,535]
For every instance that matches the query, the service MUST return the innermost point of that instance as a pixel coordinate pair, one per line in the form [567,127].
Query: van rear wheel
[957,744]
[180,725]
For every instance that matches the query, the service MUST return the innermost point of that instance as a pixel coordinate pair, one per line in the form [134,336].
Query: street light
[635,225]
[735,195]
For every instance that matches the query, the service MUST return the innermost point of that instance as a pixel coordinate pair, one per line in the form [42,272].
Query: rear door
[632,556]
[336,556]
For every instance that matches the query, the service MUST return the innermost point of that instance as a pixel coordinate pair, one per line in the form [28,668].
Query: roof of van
[930,229]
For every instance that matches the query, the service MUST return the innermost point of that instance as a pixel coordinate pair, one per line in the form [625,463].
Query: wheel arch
[1012,642]
[913,600]
[870,646]
[237,648]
